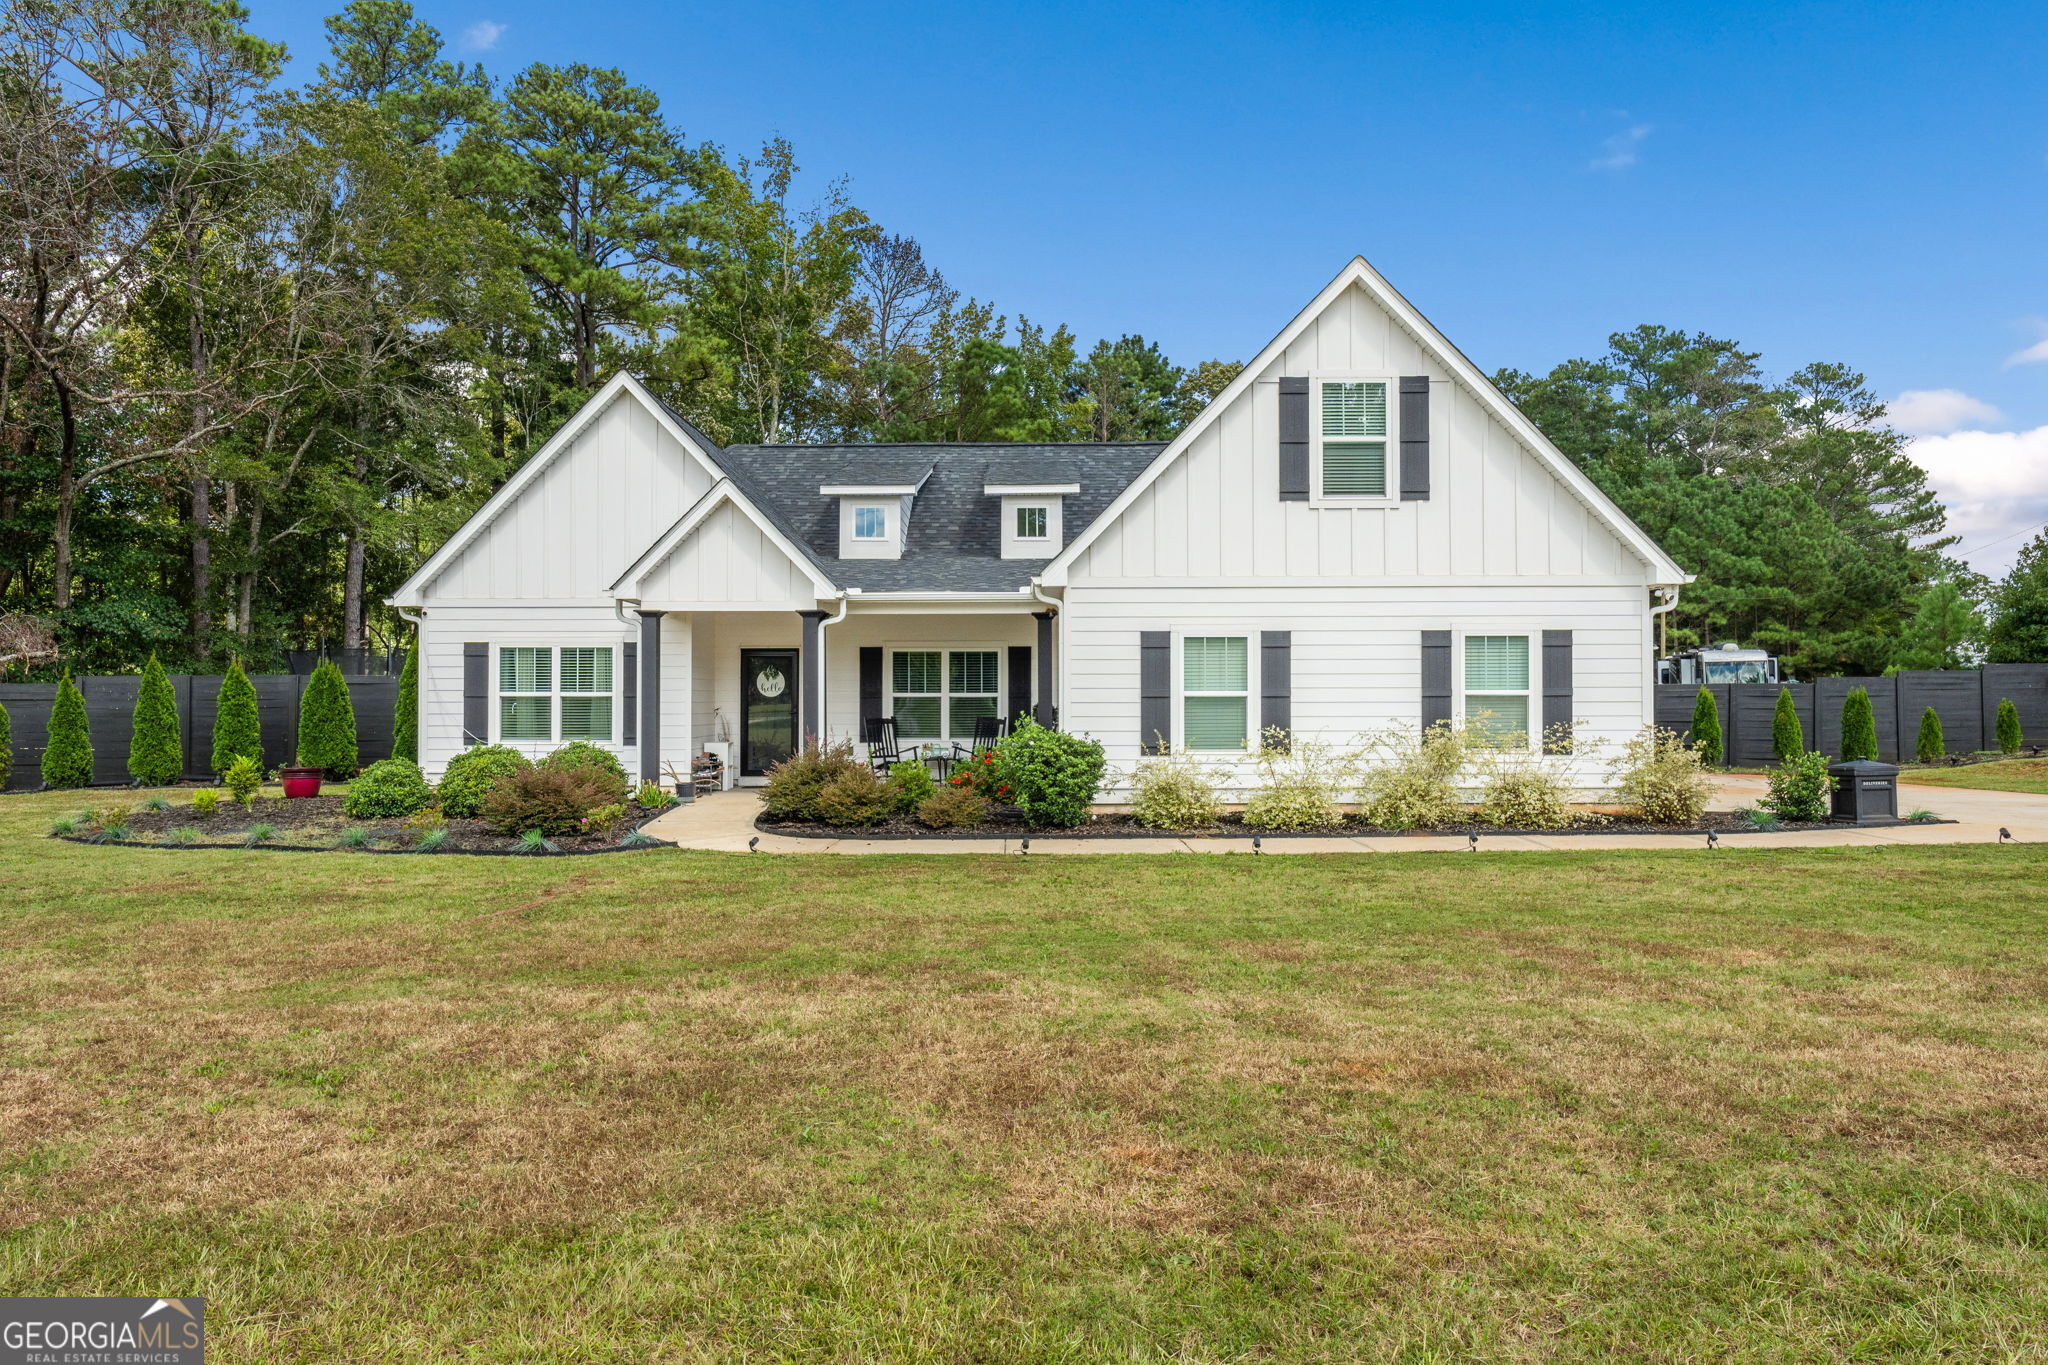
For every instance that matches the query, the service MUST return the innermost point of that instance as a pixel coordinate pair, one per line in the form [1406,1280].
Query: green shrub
[1521,790]
[855,797]
[243,779]
[653,796]
[1300,782]
[422,823]
[952,807]
[390,787]
[1661,779]
[1930,747]
[981,773]
[578,756]
[405,714]
[547,800]
[67,758]
[1800,787]
[794,784]
[1859,726]
[156,752]
[2009,736]
[1787,738]
[1174,791]
[1706,728]
[259,834]
[1051,775]
[327,723]
[912,782]
[604,820]
[237,723]
[7,748]
[1410,780]
[205,801]
[472,774]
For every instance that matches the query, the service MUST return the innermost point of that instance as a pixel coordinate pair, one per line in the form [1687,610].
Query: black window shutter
[1557,690]
[1276,686]
[1294,416]
[1436,677]
[1414,438]
[1155,692]
[872,706]
[1020,682]
[629,694]
[476,692]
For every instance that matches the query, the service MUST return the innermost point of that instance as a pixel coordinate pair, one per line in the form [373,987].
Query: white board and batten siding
[728,563]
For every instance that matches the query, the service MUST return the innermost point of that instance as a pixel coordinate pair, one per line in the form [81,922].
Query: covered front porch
[753,685]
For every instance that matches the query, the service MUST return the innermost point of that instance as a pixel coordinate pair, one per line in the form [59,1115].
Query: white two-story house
[1360,531]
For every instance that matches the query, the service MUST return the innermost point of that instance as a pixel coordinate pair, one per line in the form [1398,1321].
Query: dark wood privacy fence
[1965,699]
[110,715]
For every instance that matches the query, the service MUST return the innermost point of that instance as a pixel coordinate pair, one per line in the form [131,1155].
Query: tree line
[264,346]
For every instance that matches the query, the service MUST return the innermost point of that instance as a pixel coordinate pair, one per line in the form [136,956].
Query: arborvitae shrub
[327,723]
[1706,728]
[1930,747]
[67,758]
[2009,736]
[237,727]
[1859,726]
[405,721]
[156,752]
[1787,739]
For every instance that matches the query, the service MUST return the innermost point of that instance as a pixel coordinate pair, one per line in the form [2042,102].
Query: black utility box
[1866,793]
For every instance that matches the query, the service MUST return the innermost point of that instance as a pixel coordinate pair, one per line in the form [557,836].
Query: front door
[768,681]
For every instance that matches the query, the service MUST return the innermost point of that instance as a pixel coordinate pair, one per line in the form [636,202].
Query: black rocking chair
[879,734]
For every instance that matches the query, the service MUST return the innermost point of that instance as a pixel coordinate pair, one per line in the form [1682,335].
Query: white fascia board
[1037,490]
[627,587]
[1662,569]
[867,490]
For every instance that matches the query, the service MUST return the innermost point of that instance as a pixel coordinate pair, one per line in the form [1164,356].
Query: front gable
[1502,501]
[723,554]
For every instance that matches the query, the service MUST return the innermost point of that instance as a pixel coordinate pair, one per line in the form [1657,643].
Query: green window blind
[1496,662]
[962,712]
[974,670]
[1214,722]
[523,718]
[586,717]
[1215,663]
[1031,523]
[917,670]
[1355,409]
[1502,722]
[916,717]
[1355,469]
[586,670]
[525,668]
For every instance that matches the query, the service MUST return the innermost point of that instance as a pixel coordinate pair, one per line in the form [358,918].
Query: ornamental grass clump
[1800,787]
[1410,778]
[1300,783]
[156,750]
[67,757]
[794,784]
[1175,791]
[1662,779]
[387,788]
[1051,775]
[472,775]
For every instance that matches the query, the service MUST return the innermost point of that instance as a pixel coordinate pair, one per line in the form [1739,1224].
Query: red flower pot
[301,782]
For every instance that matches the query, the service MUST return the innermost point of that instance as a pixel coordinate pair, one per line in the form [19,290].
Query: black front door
[768,680]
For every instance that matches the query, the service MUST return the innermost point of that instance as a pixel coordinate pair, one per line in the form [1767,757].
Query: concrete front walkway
[725,821]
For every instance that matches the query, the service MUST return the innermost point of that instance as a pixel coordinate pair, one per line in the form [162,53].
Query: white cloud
[1621,151]
[2034,354]
[1996,486]
[482,35]
[1936,412]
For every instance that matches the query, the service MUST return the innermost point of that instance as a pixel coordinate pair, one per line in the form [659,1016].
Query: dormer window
[870,521]
[875,496]
[1033,489]
[1034,521]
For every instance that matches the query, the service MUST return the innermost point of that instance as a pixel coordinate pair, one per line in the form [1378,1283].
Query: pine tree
[67,758]
[1706,728]
[237,725]
[6,748]
[1859,726]
[1788,740]
[2009,736]
[327,723]
[405,721]
[1930,748]
[156,751]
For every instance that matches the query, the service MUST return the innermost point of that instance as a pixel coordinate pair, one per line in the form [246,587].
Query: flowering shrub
[1661,775]
[1412,782]
[1300,782]
[1050,775]
[981,774]
[1174,792]
[603,819]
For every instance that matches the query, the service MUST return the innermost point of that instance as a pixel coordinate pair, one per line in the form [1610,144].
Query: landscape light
[2004,835]
[1025,847]
[1472,843]
[754,844]
[1713,840]
[1257,843]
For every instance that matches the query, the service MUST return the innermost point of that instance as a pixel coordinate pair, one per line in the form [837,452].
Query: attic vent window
[1031,523]
[1353,448]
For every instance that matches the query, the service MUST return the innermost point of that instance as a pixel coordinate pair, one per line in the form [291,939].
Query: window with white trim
[1497,688]
[1216,691]
[1033,523]
[870,522]
[539,702]
[1353,438]
[940,693]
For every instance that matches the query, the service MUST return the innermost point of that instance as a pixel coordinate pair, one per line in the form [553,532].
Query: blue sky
[1856,182]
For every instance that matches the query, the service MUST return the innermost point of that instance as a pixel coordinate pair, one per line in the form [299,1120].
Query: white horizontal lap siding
[604,499]
[889,630]
[445,630]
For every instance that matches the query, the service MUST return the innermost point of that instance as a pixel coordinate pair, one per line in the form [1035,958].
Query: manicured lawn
[1758,1106]
[2006,775]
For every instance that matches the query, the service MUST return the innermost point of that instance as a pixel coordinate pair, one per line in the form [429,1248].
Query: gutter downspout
[1670,596]
[845,605]
[1059,673]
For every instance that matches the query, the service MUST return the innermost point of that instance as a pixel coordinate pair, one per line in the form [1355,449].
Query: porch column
[1045,713]
[811,703]
[650,696]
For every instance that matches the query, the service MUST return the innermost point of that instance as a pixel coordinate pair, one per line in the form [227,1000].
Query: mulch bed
[316,823]
[1008,824]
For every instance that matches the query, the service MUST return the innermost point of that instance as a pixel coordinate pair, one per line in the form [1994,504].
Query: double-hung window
[940,693]
[545,694]
[1216,691]
[1352,452]
[1497,688]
